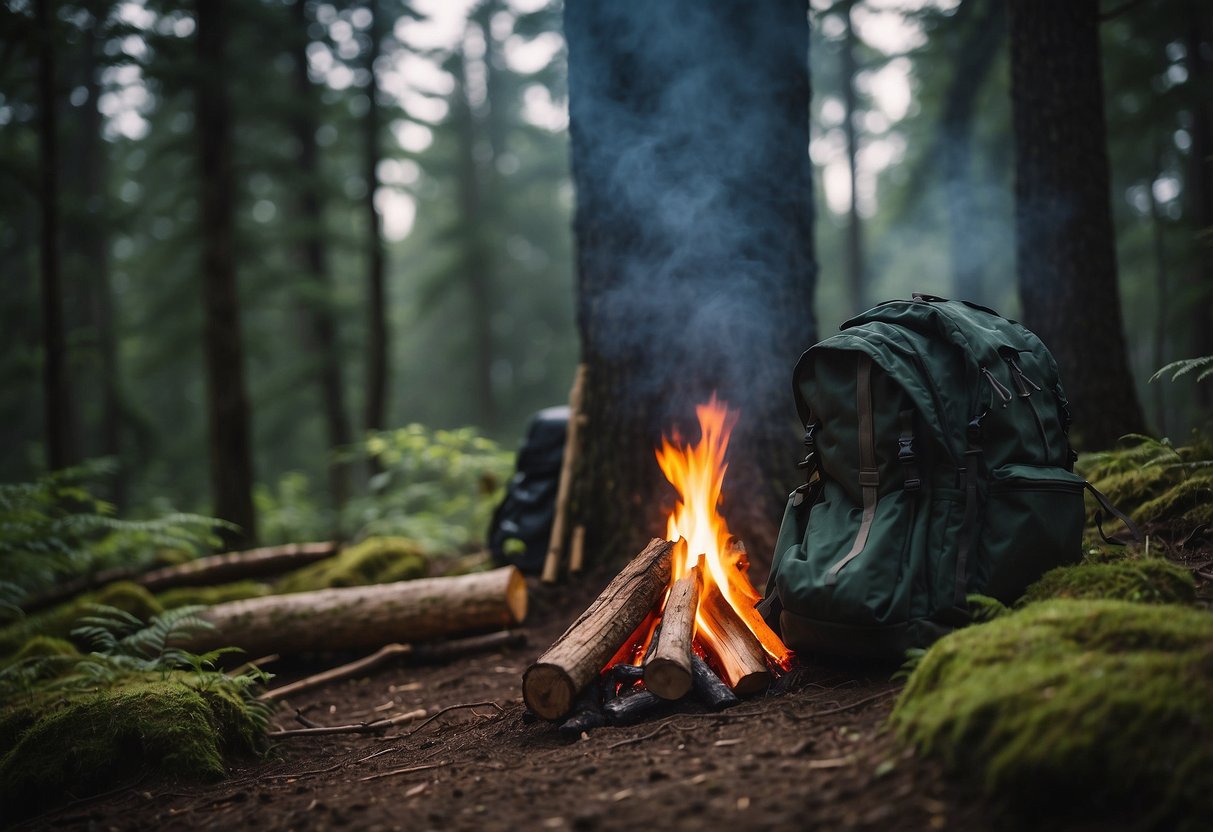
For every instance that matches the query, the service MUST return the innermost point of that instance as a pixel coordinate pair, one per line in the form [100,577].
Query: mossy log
[552,683]
[351,618]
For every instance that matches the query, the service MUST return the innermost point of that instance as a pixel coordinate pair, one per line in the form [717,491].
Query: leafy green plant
[289,511]
[438,487]
[54,528]
[1202,366]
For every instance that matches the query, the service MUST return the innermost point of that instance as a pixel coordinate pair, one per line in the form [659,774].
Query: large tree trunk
[856,284]
[360,617]
[377,332]
[984,30]
[58,417]
[1199,182]
[695,256]
[228,407]
[322,340]
[1064,240]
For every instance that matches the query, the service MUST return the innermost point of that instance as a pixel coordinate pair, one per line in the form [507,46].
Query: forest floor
[814,754]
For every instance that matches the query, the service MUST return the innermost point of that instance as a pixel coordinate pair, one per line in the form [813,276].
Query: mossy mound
[376,560]
[61,738]
[1188,502]
[206,596]
[1151,581]
[46,646]
[59,621]
[1099,705]
[1155,482]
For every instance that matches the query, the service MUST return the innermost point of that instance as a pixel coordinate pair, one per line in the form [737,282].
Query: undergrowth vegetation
[79,723]
[1095,692]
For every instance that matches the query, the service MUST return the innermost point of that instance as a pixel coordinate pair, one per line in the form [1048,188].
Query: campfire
[678,620]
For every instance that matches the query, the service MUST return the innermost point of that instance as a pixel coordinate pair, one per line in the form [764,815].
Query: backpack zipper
[1000,389]
[1022,382]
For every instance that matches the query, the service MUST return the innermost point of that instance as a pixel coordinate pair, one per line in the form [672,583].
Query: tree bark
[1064,238]
[695,264]
[58,416]
[235,566]
[228,407]
[550,685]
[377,331]
[983,34]
[353,618]
[322,339]
[1199,182]
[855,269]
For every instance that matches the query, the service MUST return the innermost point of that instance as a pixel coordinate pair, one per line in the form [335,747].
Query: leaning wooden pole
[550,686]
[743,662]
[551,564]
[667,672]
[363,617]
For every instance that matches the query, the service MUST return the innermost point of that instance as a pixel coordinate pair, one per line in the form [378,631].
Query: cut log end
[753,682]
[516,597]
[667,678]
[548,690]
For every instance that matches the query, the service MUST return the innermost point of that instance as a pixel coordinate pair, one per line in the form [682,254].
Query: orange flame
[697,473]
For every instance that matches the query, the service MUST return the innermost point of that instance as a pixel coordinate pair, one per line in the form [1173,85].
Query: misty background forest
[374,202]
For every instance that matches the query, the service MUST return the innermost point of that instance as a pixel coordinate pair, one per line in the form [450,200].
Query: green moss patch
[1152,581]
[70,738]
[1155,482]
[376,560]
[59,621]
[206,596]
[1098,705]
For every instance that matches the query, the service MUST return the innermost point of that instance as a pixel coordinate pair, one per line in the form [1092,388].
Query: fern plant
[54,528]
[1202,366]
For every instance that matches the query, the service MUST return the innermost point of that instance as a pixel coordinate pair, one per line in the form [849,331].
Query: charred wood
[708,687]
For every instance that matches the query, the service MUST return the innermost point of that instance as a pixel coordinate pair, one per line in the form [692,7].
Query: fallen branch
[384,655]
[408,770]
[450,708]
[349,618]
[374,727]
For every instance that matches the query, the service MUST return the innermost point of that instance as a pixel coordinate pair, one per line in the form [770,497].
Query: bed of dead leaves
[813,753]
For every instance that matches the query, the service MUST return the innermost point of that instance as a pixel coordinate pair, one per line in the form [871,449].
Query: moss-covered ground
[78,734]
[376,560]
[1091,705]
[1149,580]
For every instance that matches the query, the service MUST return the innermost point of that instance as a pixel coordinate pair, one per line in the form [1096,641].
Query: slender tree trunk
[321,341]
[377,332]
[856,282]
[1199,184]
[94,244]
[983,37]
[477,262]
[56,387]
[1162,294]
[695,267]
[228,407]
[1064,239]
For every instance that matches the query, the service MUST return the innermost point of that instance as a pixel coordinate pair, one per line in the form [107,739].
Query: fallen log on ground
[389,652]
[351,618]
[667,672]
[230,566]
[551,684]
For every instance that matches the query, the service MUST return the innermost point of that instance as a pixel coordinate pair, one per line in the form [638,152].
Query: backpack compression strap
[869,475]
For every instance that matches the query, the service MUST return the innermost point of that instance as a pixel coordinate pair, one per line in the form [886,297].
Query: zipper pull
[998,387]
[1021,381]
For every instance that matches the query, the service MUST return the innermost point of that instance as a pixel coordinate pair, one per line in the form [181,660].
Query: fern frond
[1202,366]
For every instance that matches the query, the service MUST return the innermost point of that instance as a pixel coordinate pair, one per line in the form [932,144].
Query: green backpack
[938,467]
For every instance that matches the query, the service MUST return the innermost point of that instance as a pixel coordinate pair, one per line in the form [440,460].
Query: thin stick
[333,767]
[408,770]
[866,700]
[577,550]
[358,728]
[456,708]
[551,564]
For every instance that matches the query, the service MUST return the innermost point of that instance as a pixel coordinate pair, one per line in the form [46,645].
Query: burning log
[738,651]
[708,687]
[351,618]
[551,564]
[631,707]
[551,684]
[667,672]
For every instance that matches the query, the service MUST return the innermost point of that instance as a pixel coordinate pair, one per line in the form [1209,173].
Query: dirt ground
[812,754]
